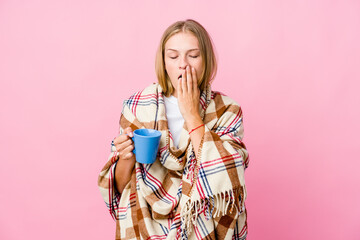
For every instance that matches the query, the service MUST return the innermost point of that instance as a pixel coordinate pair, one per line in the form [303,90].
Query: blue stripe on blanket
[163,157]
[123,215]
[233,129]
[164,229]
[202,226]
[148,182]
[147,102]
[203,178]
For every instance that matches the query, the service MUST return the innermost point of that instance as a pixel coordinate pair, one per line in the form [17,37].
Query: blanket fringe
[223,202]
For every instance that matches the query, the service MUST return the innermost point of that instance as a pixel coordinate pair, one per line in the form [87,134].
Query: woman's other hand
[189,95]
[124,146]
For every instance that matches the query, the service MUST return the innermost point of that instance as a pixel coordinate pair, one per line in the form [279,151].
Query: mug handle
[134,145]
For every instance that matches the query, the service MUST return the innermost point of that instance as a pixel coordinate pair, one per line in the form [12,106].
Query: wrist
[126,164]
[196,128]
[193,121]
[194,124]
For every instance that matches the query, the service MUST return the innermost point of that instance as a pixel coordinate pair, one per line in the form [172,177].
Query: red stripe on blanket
[219,160]
[136,100]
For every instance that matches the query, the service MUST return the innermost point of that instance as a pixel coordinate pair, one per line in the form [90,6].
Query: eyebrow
[187,50]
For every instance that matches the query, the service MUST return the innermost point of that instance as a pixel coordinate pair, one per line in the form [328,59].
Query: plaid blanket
[179,196]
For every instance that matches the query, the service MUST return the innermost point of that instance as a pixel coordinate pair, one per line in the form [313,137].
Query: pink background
[66,66]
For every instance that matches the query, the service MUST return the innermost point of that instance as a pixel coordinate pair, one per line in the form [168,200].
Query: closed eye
[190,56]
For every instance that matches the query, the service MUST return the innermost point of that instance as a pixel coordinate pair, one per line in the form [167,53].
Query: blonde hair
[206,51]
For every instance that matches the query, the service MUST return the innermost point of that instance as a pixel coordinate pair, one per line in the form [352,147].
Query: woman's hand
[189,95]
[189,100]
[124,146]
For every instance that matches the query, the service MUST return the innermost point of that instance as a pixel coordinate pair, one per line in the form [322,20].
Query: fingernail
[131,134]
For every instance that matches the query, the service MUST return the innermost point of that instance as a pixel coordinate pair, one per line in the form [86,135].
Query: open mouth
[180,77]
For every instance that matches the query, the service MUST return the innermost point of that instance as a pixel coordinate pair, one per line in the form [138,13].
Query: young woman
[196,188]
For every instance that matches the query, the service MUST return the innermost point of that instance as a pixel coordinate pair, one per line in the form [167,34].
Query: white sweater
[174,117]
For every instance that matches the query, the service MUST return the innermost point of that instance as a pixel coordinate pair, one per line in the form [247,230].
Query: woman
[195,189]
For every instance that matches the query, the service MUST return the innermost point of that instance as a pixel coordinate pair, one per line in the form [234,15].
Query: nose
[183,63]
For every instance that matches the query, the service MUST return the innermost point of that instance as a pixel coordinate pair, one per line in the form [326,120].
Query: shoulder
[226,109]
[221,100]
[224,106]
[145,96]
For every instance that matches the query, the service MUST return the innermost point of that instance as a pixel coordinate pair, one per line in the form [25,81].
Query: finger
[128,156]
[184,82]
[127,152]
[120,147]
[194,78]
[124,136]
[127,134]
[121,138]
[189,79]
[128,131]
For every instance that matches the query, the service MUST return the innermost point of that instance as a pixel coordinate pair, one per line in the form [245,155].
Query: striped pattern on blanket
[179,196]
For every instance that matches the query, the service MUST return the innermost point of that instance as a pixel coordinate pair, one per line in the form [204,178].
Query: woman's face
[182,50]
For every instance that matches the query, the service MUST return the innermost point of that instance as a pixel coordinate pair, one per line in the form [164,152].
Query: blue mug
[146,144]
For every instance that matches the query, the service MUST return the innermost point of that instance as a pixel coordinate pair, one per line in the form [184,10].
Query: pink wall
[66,66]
